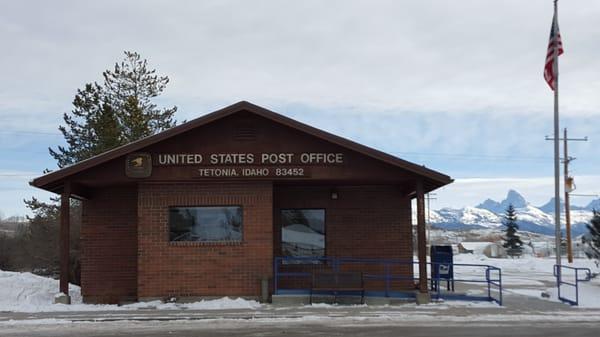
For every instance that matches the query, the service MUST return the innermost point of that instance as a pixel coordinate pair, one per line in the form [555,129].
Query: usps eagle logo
[138,165]
[137,162]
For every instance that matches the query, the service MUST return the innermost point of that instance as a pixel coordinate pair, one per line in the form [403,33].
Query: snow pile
[26,292]
[224,303]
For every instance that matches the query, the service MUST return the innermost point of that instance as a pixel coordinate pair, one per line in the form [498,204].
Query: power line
[476,156]
[27,132]
[584,195]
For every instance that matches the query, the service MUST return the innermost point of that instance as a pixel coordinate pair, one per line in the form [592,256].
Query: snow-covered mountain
[512,198]
[489,214]
[549,206]
[464,218]
[594,205]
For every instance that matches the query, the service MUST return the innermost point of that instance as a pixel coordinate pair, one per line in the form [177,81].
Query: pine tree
[104,116]
[512,241]
[40,239]
[130,88]
[90,129]
[592,240]
[115,113]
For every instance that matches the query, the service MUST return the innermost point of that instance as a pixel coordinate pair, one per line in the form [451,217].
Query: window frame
[303,209]
[211,242]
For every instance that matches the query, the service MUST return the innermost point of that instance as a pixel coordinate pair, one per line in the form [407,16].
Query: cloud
[455,85]
[14,188]
[536,190]
[472,144]
[380,55]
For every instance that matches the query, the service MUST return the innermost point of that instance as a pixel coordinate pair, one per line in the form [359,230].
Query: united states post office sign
[235,159]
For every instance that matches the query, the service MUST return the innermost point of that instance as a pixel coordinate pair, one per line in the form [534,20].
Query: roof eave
[54,178]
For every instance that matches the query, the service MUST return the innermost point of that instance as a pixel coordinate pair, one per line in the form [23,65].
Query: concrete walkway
[514,304]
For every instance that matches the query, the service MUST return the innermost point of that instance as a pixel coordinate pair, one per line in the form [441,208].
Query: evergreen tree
[130,88]
[104,116]
[512,241]
[115,113]
[36,245]
[90,129]
[592,240]
[40,239]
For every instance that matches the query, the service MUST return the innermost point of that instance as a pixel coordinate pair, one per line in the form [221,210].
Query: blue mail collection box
[442,267]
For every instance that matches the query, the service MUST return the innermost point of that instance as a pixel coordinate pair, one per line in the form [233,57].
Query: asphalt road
[293,330]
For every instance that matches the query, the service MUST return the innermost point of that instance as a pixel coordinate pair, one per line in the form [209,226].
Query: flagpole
[556,146]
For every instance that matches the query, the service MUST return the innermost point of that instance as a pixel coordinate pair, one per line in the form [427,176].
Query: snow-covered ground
[26,292]
[526,276]
[530,276]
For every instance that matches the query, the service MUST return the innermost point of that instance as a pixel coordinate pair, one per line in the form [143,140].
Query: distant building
[540,248]
[489,249]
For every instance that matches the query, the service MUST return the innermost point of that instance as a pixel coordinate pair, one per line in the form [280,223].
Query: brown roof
[52,179]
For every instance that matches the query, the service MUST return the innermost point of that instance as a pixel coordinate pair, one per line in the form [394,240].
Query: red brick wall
[109,246]
[364,222]
[122,260]
[203,269]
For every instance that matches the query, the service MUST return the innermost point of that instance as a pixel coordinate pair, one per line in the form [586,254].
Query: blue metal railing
[497,282]
[493,278]
[386,271]
[574,284]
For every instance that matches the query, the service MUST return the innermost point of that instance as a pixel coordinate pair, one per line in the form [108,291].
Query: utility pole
[429,198]
[569,187]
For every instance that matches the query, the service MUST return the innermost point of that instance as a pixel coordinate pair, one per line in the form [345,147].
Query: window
[205,224]
[303,232]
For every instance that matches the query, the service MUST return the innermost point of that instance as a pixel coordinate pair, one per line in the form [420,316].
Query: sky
[453,85]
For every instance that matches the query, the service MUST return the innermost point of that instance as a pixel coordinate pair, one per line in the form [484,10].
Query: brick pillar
[421,239]
[65,222]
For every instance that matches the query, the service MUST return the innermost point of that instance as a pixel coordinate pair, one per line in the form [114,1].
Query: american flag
[555,43]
